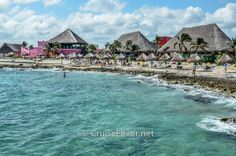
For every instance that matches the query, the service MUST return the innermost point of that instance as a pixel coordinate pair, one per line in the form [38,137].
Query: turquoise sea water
[42,113]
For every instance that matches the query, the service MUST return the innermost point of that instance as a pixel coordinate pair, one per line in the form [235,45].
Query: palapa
[194,58]
[225,59]
[165,57]
[211,33]
[142,57]
[151,57]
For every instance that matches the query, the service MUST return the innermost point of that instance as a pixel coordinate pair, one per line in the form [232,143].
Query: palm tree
[114,47]
[107,45]
[134,47]
[199,44]
[24,44]
[181,40]
[128,45]
[156,41]
[118,45]
[232,44]
[46,49]
[91,48]
[55,48]
[31,47]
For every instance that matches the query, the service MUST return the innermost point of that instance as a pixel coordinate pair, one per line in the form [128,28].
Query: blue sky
[101,21]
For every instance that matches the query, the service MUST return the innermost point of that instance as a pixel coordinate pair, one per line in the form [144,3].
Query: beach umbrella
[173,54]
[79,55]
[121,57]
[194,58]
[142,57]
[177,58]
[225,59]
[105,56]
[9,54]
[151,57]
[96,56]
[89,56]
[165,57]
[61,56]
[72,55]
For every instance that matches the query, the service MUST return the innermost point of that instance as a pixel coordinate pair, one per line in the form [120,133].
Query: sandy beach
[216,80]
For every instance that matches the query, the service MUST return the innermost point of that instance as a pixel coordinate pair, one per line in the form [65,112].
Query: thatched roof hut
[211,33]
[225,59]
[68,36]
[10,48]
[139,39]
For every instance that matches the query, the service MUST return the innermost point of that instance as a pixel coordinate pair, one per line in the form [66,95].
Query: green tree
[232,45]
[24,44]
[31,47]
[46,50]
[156,41]
[91,48]
[128,45]
[181,40]
[199,44]
[55,48]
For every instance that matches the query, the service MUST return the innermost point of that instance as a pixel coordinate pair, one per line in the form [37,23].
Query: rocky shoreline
[224,86]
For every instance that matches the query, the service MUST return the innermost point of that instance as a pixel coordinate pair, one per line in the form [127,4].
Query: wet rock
[229,120]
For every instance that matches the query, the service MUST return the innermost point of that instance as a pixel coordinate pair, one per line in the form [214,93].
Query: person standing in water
[64,74]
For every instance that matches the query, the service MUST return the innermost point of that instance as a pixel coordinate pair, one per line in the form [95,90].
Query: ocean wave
[214,124]
[194,92]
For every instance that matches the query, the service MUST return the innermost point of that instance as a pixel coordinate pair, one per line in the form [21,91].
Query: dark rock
[229,119]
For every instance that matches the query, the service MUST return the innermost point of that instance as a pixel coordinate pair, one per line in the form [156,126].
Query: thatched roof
[225,59]
[177,57]
[142,57]
[89,56]
[139,39]
[121,56]
[211,33]
[151,57]
[194,58]
[68,36]
[8,48]
[164,57]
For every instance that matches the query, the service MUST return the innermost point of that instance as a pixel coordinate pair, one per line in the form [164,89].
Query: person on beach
[225,65]
[194,69]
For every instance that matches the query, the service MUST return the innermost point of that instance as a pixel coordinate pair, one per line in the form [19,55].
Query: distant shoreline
[224,86]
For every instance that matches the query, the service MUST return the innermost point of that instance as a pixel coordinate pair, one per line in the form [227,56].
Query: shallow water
[42,113]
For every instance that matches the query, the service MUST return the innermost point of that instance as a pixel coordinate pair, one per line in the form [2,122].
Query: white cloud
[103,6]
[18,25]
[24,1]
[51,2]
[24,24]
[4,3]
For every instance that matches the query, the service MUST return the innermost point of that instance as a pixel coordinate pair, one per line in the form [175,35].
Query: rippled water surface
[42,113]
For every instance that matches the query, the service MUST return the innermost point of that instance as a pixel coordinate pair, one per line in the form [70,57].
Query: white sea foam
[214,124]
[214,97]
